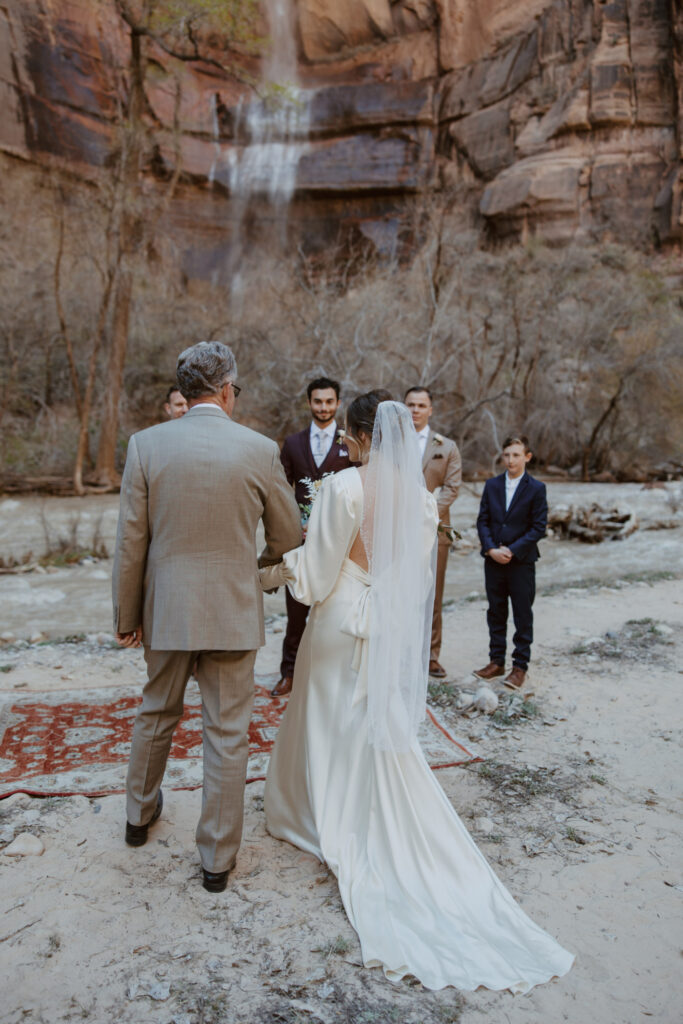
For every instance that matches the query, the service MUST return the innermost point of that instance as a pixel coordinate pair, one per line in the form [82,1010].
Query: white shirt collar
[424,432]
[331,429]
[510,483]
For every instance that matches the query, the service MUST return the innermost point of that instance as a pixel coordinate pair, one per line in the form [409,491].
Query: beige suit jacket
[442,468]
[192,494]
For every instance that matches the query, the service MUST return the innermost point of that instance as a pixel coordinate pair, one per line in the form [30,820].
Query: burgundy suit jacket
[297,459]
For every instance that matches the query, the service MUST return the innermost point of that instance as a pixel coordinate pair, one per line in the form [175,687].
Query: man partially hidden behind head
[185,585]
[175,405]
[441,467]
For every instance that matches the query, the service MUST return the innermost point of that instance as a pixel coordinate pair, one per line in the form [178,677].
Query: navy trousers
[514,583]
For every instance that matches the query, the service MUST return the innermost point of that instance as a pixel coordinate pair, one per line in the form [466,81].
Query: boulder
[25,845]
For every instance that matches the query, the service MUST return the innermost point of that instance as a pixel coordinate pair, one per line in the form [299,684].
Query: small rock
[317,974]
[20,799]
[663,629]
[25,845]
[278,629]
[485,700]
[36,637]
[484,825]
[464,701]
[159,990]
[7,637]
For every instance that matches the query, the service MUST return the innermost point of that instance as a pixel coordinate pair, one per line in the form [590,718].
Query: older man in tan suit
[442,469]
[186,586]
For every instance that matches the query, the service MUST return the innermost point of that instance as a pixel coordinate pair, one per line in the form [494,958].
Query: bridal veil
[402,581]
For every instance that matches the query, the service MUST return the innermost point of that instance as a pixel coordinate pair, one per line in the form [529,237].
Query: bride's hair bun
[360,415]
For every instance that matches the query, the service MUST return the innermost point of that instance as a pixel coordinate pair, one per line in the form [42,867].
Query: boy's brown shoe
[515,681]
[491,671]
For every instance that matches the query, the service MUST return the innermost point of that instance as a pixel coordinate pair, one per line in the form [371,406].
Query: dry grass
[577,346]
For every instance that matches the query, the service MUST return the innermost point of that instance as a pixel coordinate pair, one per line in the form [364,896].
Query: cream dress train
[418,892]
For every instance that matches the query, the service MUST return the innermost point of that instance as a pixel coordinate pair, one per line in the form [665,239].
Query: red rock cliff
[563,117]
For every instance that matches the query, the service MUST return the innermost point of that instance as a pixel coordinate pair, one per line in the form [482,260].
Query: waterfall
[271,131]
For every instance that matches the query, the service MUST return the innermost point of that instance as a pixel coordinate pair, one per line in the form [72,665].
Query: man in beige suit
[442,469]
[186,586]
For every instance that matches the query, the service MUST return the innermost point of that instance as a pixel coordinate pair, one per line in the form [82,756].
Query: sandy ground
[577,806]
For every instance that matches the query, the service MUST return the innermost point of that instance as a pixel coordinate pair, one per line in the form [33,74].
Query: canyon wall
[559,118]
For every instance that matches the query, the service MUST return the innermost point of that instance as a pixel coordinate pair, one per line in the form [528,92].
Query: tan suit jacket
[192,494]
[442,468]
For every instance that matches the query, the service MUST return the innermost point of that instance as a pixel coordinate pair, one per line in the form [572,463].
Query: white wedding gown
[418,892]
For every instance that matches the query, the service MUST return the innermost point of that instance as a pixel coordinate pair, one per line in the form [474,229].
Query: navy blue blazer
[521,526]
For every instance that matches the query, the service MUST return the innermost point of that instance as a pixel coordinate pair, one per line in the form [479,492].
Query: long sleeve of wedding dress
[311,571]
[418,892]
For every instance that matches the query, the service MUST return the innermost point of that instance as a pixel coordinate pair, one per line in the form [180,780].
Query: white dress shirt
[510,488]
[322,439]
[422,437]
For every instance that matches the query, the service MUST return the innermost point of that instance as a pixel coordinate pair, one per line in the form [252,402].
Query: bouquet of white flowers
[312,488]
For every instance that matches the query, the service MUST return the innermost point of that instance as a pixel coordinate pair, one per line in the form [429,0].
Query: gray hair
[203,369]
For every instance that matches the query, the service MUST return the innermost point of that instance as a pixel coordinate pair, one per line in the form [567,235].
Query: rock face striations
[562,118]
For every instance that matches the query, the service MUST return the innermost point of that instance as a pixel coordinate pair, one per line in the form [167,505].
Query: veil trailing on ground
[399,535]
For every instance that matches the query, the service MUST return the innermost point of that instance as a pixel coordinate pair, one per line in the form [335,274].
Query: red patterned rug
[60,744]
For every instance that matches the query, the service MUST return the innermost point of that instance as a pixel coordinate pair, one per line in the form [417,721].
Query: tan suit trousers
[437,626]
[226,682]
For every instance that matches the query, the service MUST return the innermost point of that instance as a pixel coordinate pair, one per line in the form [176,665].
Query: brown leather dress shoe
[282,688]
[436,670]
[136,835]
[490,671]
[515,681]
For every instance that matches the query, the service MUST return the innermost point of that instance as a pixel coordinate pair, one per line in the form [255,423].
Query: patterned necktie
[318,453]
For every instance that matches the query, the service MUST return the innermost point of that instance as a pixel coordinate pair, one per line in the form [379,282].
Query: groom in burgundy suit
[309,455]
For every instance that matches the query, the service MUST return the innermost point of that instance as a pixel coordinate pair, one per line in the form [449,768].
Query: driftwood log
[591,524]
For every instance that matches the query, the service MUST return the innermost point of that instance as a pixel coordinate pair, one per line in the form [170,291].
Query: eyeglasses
[235,389]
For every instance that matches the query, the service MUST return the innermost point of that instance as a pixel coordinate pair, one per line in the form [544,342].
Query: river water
[77,599]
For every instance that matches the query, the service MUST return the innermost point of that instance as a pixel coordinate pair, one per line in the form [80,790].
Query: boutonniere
[341,440]
[438,439]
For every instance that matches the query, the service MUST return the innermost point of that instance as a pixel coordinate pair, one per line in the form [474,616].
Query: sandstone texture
[560,118]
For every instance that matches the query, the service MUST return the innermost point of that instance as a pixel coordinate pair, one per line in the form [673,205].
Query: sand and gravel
[577,806]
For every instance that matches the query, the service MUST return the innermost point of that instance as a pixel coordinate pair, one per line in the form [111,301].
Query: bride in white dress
[347,780]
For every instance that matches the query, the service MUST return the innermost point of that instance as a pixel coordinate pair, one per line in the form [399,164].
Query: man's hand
[132,639]
[501,555]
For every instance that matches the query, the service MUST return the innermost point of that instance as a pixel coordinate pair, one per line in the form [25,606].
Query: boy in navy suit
[513,516]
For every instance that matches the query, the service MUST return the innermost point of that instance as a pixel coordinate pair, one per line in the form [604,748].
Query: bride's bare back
[357,552]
